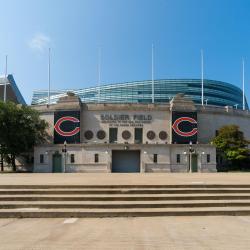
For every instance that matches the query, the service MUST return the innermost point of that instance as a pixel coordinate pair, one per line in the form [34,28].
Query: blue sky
[125,30]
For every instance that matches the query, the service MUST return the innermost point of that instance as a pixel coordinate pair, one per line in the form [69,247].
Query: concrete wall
[209,122]
[91,121]
[210,119]
[166,157]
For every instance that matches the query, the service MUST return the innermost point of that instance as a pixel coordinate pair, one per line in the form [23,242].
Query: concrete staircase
[48,201]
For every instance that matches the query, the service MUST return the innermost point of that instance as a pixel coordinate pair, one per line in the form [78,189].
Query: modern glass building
[12,92]
[215,92]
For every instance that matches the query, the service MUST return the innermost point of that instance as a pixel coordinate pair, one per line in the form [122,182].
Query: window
[113,135]
[41,158]
[178,158]
[208,158]
[155,158]
[138,135]
[72,158]
[96,158]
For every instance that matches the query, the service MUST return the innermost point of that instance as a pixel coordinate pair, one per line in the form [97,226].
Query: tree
[20,130]
[231,143]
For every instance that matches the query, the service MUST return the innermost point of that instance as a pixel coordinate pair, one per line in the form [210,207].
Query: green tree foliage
[231,143]
[20,130]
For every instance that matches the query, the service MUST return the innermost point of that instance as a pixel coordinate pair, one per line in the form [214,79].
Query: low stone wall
[157,168]
[42,168]
[209,168]
[88,168]
[179,168]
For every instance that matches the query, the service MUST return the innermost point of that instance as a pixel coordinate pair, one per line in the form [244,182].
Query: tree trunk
[13,162]
[2,169]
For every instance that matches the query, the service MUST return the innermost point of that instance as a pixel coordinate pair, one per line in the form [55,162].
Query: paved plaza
[170,233]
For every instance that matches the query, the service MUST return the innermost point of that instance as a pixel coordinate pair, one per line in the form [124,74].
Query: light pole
[64,150]
[191,151]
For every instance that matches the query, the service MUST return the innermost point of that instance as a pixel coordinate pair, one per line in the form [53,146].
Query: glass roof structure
[12,92]
[215,92]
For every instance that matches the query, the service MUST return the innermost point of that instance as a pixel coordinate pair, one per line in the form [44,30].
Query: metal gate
[194,166]
[125,161]
[57,163]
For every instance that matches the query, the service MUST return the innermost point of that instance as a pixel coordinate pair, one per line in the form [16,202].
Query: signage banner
[184,127]
[66,127]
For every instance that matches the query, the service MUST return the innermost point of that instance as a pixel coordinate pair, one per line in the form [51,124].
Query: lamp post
[191,151]
[64,150]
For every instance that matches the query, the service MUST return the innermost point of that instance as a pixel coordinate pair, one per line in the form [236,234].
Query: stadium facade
[117,128]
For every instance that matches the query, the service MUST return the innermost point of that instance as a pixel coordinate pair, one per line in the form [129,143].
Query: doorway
[194,165]
[57,163]
[125,161]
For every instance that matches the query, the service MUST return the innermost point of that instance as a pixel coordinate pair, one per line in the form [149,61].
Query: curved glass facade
[215,92]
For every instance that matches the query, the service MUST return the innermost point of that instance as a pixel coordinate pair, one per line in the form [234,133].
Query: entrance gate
[125,161]
[194,166]
[57,163]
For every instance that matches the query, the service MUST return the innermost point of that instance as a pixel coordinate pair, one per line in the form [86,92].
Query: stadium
[139,126]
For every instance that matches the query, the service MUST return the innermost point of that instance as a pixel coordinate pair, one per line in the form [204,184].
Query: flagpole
[202,79]
[99,73]
[152,71]
[49,77]
[243,82]
[5,80]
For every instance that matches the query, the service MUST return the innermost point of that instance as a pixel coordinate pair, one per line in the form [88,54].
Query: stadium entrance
[125,161]
[57,163]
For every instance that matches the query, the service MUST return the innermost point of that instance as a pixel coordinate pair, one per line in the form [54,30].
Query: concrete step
[123,200]
[170,186]
[138,212]
[124,204]
[124,197]
[125,191]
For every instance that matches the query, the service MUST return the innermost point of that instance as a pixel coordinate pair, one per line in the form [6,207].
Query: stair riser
[117,206]
[119,214]
[122,186]
[104,192]
[138,198]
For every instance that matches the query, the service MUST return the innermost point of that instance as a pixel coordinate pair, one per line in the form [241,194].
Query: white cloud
[39,42]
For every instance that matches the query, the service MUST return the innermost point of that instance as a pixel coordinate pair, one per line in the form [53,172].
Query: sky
[124,30]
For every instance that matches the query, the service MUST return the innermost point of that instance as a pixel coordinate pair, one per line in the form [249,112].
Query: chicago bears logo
[178,131]
[60,131]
